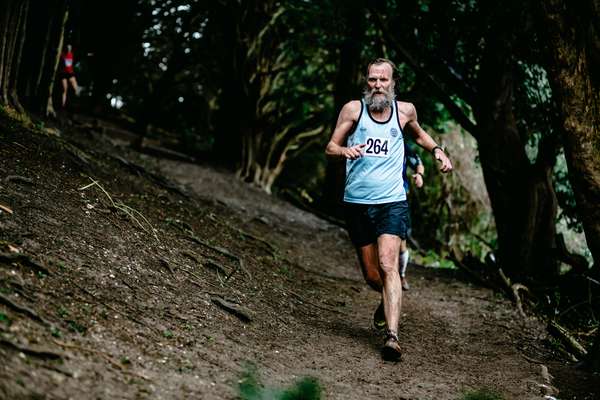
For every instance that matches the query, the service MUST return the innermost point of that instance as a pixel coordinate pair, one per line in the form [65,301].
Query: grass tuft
[250,388]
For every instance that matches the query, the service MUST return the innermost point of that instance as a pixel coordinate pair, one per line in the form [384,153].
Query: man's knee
[388,262]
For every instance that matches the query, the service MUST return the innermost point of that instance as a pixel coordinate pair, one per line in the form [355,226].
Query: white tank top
[376,177]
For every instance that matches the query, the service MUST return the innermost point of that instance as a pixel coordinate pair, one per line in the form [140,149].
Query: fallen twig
[129,211]
[6,209]
[567,339]
[23,310]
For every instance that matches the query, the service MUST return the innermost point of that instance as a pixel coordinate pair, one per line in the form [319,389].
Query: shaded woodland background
[511,89]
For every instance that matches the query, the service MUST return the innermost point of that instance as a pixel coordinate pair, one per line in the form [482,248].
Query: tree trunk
[20,40]
[5,48]
[572,34]
[521,194]
[347,87]
[56,47]
[47,43]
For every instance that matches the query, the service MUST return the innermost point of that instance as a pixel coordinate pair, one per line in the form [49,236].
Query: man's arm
[423,139]
[414,162]
[346,120]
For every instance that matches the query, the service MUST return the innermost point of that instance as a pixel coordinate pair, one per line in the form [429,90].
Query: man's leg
[64,93]
[403,264]
[369,264]
[73,82]
[388,248]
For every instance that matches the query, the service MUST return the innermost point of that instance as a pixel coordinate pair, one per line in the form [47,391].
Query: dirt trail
[173,307]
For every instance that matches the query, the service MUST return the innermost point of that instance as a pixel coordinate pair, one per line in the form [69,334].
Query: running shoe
[379,318]
[391,347]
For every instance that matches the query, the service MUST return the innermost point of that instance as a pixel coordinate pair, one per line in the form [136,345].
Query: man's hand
[354,152]
[418,180]
[443,158]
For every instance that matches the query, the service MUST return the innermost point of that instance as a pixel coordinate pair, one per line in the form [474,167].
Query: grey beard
[378,104]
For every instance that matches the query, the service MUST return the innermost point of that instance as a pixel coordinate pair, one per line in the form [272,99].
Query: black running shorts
[366,222]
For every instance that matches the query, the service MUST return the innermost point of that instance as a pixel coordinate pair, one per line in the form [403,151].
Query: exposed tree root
[25,260]
[239,311]
[101,354]
[42,353]
[160,180]
[240,263]
[23,310]
[304,301]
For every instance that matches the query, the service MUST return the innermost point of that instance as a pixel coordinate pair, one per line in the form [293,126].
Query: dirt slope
[163,288]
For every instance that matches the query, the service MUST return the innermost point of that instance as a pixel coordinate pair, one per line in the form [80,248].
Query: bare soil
[165,279]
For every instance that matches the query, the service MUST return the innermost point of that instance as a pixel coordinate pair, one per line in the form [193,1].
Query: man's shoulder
[352,109]
[405,107]
[353,105]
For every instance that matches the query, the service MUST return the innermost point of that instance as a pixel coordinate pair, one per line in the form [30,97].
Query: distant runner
[370,135]
[413,160]
[67,74]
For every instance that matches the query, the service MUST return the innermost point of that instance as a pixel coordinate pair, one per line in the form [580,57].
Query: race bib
[376,147]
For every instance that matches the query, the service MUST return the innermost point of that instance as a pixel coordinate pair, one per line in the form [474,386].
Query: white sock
[403,263]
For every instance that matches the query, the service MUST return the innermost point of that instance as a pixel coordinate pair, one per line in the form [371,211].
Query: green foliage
[5,319]
[482,394]
[250,388]
[434,259]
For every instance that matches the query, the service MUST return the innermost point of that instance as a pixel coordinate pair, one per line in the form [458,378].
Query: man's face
[380,79]
[379,93]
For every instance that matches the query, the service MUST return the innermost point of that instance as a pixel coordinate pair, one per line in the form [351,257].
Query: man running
[369,134]
[67,74]
[413,160]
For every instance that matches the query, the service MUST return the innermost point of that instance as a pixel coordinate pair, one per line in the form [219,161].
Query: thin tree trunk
[6,60]
[12,91]
[62,17]
[347,87]
[45,48]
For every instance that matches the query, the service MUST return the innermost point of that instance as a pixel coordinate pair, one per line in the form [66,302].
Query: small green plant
[77,327]
[4,318]
[63,312]
[61,265]
[285,271]
[250,388]
[482,394]
[168,334]
[55,332]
